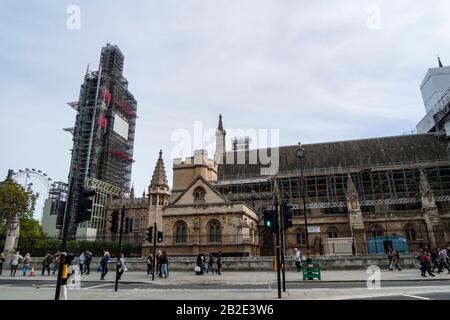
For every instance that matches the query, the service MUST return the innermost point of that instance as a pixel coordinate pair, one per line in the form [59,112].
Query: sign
[314,229]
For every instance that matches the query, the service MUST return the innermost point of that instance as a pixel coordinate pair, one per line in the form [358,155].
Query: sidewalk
[257,277]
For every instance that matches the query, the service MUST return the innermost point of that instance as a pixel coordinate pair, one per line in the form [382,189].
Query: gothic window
[332,232]
[199,194]
[181,232]
[301,238]
[215,232]
[377,231]
[410,233]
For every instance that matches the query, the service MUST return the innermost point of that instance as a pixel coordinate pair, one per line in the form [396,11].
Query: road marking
[5,285]
[100,285]
[415,297]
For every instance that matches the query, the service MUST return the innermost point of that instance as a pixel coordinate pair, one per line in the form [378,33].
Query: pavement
[335,285]
[246,277]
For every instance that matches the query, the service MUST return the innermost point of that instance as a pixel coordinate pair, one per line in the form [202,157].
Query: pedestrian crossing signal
[269,220]
[149,235]
[160,237]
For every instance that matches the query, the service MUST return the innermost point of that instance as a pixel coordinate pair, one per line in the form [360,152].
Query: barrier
[311,270]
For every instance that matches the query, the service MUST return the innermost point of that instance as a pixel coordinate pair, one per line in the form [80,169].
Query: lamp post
[301,157]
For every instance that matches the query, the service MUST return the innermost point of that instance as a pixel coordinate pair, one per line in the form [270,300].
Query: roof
[342,154]
[159,178]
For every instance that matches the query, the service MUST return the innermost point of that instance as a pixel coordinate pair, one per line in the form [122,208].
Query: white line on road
[415,297]
[100,285]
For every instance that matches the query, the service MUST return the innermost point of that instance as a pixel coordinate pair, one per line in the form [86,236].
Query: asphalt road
[159,286]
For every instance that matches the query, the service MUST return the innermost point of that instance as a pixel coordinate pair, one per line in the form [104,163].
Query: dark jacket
[164,260]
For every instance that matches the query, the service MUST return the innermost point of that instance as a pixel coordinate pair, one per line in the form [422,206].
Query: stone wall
[259,263]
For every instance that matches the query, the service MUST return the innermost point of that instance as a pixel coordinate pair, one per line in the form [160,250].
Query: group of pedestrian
[438,258]
[16,260]
[205,264]
[84,262]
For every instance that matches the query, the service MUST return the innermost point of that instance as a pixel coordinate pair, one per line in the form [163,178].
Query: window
[199,194]
[301,238]
[181,232]
[377,231]
[410,233]
[215,233]
[332,232]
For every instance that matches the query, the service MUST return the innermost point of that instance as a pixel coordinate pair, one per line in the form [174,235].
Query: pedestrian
[199,266]
[158,262]
[298,259]
[149,265]
[122,266]
[46,263]
[164,263]
[442,256]
[210,263]
[219,263]
[56,259]
[425,264]
[434,259]
[81,262]
[104,263]
[2,261]
[389,249]
[67,261]
[395,262]
[26,264]
[88,260]
[16,260]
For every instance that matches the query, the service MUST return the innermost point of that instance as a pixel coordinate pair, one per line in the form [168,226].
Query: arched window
[180,232]
[377,231]
[301,237]
[333,232]
[410,233]
[215,231]
[199,194]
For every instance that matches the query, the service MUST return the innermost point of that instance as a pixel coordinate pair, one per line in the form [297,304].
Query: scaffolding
[103,149]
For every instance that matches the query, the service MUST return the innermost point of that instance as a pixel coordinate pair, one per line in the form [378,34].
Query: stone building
[361,189]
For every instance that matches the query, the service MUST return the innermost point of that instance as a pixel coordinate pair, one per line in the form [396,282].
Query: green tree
[31,229]
[15,201]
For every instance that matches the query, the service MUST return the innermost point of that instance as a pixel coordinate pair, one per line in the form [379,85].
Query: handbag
[197,269]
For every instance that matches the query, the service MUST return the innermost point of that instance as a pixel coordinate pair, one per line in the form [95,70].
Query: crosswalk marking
[416,297]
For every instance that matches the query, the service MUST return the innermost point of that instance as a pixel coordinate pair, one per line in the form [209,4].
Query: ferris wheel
[29,174]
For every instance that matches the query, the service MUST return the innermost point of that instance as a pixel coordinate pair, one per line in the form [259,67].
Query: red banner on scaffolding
[106,95]
[102,121]
[126,109]
[122,155]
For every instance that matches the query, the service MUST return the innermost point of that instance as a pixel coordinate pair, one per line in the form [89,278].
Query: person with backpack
[104,264]
[46,263]
[149,265]
[15,261]
[26,264]
[88,261]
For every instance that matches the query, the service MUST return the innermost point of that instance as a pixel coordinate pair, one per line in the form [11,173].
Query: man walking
[46,263]
[164,262]
[149,265]
[298,259]
[88,261]
[104,264]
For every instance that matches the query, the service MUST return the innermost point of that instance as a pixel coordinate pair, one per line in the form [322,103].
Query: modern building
[54,205]
[436,98]
[103,140]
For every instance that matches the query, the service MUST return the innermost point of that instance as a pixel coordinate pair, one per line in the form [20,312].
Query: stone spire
[159,179]
[220,127]
[440,62]
[132,192]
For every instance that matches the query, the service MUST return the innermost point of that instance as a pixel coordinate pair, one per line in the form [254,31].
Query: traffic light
[149,234]
[286,214]
[86,203]
[160,236]
[115,222]
[269,220]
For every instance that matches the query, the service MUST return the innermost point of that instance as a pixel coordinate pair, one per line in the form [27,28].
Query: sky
[316,71]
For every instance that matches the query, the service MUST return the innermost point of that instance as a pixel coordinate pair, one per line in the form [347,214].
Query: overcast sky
[317,70]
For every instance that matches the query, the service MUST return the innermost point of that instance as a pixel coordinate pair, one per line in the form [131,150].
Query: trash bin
[311,270]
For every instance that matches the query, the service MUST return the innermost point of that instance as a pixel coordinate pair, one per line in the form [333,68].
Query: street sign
[313,229]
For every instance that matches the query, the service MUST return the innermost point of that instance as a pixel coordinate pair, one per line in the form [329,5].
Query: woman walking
[16,259]
[122,266]
[26,264]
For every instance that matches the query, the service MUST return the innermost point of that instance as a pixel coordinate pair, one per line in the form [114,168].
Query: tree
[31,229]
[15,201]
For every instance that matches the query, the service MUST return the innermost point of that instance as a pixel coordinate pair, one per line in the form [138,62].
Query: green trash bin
[311,270]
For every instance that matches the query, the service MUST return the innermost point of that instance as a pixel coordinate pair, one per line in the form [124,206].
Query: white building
[435,93]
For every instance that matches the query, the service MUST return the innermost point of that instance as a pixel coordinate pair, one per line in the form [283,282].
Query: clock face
[300,152]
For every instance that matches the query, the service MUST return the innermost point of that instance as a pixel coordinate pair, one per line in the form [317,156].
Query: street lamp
[301,156]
